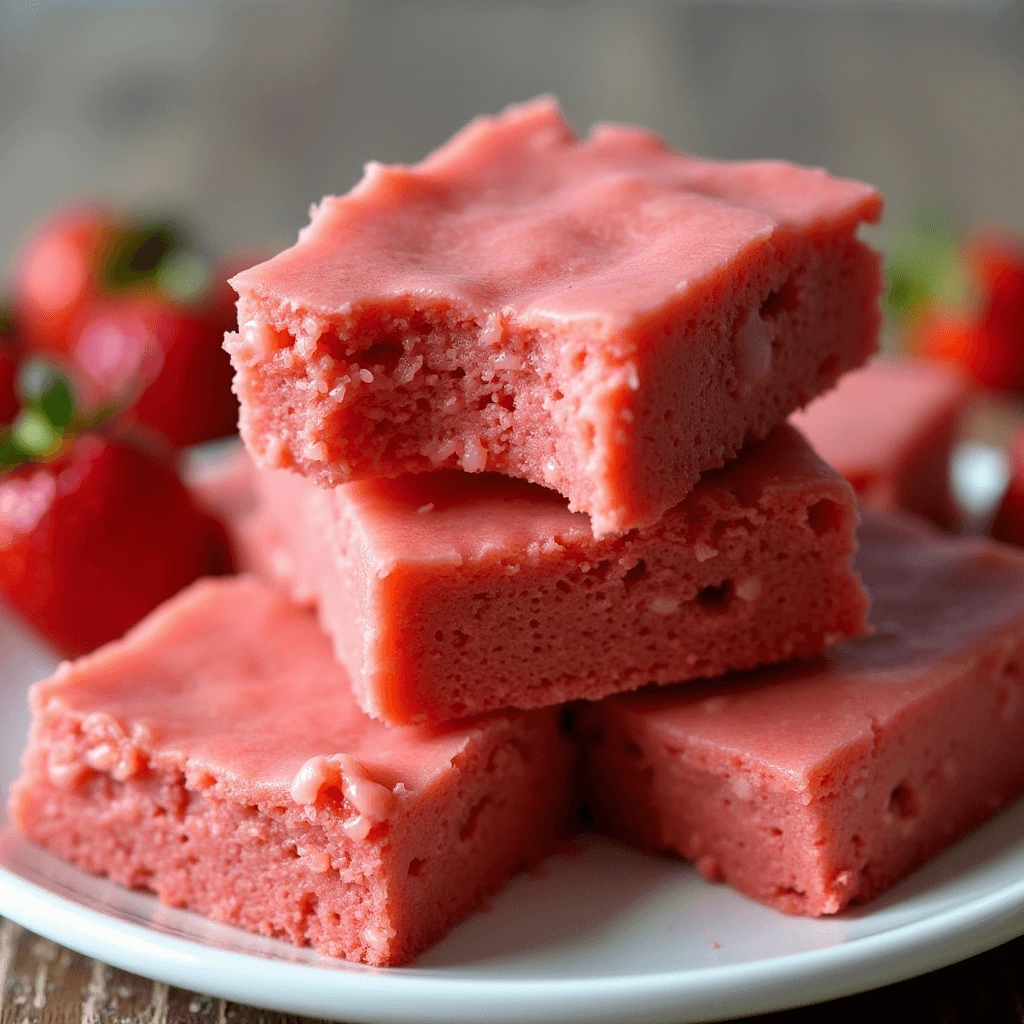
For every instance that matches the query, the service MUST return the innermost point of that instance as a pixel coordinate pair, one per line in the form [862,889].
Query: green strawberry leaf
[41,386]
[924,269]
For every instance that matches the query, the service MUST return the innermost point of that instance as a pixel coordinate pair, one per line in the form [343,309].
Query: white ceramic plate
[609,935]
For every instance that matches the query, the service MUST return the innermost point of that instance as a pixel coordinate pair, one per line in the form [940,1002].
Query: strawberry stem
[184,276]
[924,268]
[157,255]
[41,386]
[8,319]
[35,435]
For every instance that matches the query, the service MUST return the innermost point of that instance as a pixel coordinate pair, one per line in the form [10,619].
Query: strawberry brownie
[820,785]
[216,757]
[602,316]
[890,429]
[448,594]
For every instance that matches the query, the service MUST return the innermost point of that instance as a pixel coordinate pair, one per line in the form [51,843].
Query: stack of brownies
[519,412]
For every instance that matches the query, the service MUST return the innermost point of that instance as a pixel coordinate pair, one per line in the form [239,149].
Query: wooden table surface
[42,983]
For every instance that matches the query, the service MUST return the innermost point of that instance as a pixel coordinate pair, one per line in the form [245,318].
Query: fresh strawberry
[8,366]
[133,312]
[191,399]
[163,363]
[8,397]
[978,345]
[976,318]
[1008,524]
[996,263]
[93,540]
[113,357]
[57,276]
[46,409]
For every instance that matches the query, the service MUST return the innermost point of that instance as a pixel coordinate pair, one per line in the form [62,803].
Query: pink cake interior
[449,594]
[216,756]
[890,428]
[820,785]
[604,317]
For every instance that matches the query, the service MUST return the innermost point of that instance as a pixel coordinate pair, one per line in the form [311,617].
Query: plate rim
[389,995]
[431,995]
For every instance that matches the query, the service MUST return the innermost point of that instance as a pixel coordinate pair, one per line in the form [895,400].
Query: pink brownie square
[449,594]
[216,757]
[890,429]
[820,785]
[604,316]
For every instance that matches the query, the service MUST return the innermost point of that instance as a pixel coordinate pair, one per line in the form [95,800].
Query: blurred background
[235,116]
[239,114]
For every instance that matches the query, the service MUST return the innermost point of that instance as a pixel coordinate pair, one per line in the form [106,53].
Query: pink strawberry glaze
[820,785]
[604,317]
[449,594]
[215,756]
[890,429]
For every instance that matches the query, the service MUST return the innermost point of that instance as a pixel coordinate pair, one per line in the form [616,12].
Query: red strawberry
[981,347]
[112,357]
[8,396]
[997,265]
[94,540]
[191,398]
[986,337]
[164,362]
[57,274]
[8,366]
